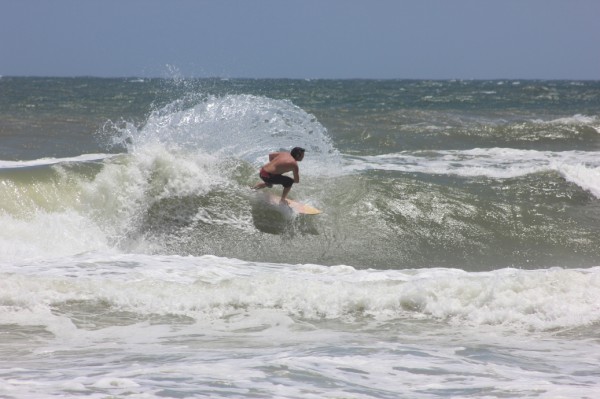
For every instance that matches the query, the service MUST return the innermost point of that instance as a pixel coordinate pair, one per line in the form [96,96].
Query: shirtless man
[280,163]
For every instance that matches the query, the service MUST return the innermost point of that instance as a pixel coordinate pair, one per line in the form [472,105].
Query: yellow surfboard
[295,205]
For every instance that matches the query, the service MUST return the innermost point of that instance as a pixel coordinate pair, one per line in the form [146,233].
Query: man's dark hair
[296,152]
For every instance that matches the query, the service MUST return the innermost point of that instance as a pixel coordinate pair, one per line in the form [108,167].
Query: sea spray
[244,127]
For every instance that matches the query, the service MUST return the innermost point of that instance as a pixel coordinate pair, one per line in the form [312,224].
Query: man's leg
[284,194]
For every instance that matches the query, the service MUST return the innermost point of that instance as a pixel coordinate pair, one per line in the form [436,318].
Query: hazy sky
[432,39]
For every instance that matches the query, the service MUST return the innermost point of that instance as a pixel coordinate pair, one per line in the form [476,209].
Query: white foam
[70,214]
[210,288]
[49,234]
[229,326]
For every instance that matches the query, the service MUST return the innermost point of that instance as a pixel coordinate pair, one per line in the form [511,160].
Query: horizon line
[225,78]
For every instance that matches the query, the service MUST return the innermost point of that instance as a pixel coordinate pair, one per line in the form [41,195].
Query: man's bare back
[280,163]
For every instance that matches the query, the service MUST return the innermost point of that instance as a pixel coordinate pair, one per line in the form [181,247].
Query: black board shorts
[271,179]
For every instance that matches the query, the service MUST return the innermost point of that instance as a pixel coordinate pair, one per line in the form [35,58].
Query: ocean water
[458,254]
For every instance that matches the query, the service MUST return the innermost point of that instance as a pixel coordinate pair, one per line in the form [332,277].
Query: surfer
[280,163]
